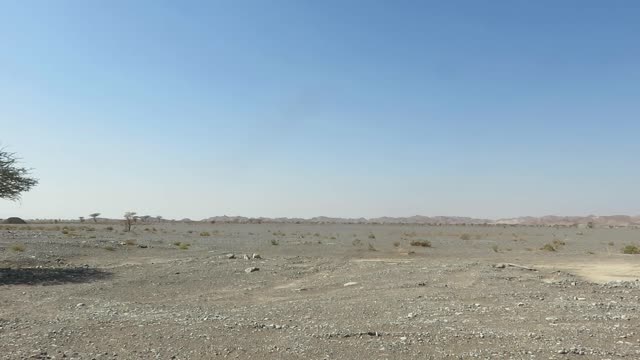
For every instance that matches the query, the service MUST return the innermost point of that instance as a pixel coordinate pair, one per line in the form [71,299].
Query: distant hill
[550,220]
[612,220]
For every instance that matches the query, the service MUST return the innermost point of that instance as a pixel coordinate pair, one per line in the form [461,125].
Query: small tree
[94,216]
[14,180]
[81,219]
[129,218]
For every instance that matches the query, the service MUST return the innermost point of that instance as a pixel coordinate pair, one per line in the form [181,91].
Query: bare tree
[14,180]
[94,216]
[145,218]
[159,218]
[81,219]
[129,218]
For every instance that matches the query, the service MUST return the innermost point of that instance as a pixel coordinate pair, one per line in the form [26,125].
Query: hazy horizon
[342,109]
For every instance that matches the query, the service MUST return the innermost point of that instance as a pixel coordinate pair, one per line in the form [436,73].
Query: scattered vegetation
[356,242]
[17,247]
[396,243]
[109,228]
[611,243]
[130,242]
[184,246]
[495,248]
[372,236]
[371,248]
[274,242]
[422,243]
[205,233]
[465,237]
[110,248]
[631,249]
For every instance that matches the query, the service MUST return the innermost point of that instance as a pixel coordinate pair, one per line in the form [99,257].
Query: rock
[80,305]
[143,246]
[246,257]
[251,269]
[230,256]
[411,315]
[256,256]
[350,283]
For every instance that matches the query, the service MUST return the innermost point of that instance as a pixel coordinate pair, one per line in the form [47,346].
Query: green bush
[631,249]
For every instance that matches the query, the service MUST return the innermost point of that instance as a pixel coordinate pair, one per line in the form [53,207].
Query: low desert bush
[130,242]
[17,247]
[396,243]
[372,236]
[557,243]
[205,233]
[356,242]
[177,243]
[65,231]
[548,247]
[274,242]
[631,249]
[494,247]
[184,246]
[371,248]
[465,237]
[110,248]
[109,228]
[422,243]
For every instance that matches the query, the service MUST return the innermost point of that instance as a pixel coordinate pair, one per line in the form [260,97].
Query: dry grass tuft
[17,247]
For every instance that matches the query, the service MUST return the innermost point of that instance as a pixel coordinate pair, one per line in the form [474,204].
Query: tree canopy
[14,180]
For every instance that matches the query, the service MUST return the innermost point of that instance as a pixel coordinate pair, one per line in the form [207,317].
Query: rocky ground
[187,291]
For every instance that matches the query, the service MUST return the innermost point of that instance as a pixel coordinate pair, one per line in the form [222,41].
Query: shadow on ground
[50,276]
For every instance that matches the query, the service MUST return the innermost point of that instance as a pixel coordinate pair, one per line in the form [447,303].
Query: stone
[251,269]
[350,283]
[256,256]
[230,256]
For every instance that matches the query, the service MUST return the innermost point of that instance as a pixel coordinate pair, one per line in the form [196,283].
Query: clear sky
[337,108]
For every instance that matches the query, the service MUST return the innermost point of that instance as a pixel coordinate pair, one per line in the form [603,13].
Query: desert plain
[197,290]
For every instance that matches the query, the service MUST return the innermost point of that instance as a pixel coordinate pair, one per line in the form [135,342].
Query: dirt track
[323,292]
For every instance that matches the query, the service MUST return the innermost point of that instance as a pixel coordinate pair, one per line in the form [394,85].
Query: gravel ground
[187,291]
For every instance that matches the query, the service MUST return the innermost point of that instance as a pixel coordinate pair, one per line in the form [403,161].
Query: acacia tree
[129,217]
[94,216]
[14,180]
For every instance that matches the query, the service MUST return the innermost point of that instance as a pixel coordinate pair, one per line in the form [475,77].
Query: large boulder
[14,220]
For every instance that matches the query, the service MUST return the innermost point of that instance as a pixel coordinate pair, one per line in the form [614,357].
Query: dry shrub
[422,243]
[631,249]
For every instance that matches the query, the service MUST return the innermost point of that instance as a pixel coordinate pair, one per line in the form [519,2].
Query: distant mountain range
[613,220]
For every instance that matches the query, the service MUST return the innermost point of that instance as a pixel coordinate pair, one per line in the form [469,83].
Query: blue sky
[338,108]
